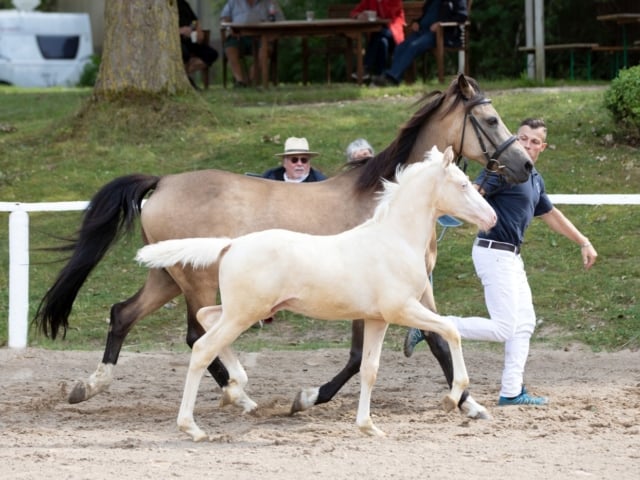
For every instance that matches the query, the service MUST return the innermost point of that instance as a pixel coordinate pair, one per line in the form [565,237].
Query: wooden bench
[572,48]
[615,48]
[617,51]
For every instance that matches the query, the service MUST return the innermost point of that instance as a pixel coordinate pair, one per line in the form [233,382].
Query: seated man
[423,37]
[382,43]
[195,55]
[296,163]
[246,11]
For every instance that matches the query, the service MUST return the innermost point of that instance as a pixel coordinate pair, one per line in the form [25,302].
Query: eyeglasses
[298,159]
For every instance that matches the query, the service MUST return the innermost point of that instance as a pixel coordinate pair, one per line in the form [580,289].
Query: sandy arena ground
[590,430]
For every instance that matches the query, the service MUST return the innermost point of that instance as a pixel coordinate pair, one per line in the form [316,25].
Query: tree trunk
[141,55]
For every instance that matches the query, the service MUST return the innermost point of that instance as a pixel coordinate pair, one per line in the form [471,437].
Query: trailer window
[58,46]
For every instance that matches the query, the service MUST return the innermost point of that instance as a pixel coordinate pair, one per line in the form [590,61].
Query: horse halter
[493,164]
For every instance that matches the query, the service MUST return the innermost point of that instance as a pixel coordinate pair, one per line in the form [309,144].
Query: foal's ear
[447,156]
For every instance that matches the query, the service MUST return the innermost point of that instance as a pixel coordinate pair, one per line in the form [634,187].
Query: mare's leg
[205,349]
[309,397]
[414,314]
[157,290]
[374,331]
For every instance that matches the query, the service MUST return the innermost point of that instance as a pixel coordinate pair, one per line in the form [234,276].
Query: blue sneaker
[523,399]
[414,337]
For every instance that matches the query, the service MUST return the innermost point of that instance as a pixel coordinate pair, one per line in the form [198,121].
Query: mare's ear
[466,89]
[447,156]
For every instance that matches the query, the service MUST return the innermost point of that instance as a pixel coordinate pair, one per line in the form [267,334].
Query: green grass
[54,150]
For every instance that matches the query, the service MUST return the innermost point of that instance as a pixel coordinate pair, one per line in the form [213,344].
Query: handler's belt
[483,242]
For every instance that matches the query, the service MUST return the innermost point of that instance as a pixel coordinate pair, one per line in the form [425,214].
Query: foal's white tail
[197,252]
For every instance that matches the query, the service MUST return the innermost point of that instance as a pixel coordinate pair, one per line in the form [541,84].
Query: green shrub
[622,99]
[90,72]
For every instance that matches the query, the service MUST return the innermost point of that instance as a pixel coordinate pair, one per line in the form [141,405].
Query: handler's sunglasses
[298,159]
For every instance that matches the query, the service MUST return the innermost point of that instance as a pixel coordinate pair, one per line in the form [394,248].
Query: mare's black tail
[111,212]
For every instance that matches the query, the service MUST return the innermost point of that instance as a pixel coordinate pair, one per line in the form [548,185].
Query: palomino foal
[375,271]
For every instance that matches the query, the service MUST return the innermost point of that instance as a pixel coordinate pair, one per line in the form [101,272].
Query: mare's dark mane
[385,163]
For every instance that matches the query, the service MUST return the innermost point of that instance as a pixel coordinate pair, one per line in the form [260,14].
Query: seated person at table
[423,37]
[245,11]
[195,55]
[382,43]
[296,163]
[359,150]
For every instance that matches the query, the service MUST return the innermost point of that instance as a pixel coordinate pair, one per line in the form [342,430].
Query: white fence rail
[19,250]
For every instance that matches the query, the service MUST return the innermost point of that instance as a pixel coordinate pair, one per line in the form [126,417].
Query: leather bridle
[493,164]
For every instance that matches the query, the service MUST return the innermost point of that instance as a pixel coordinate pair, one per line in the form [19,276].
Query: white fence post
[18,278]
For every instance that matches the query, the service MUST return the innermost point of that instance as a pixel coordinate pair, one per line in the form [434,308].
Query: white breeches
[512,317]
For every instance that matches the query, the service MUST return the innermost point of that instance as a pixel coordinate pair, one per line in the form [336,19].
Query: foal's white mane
[404,174]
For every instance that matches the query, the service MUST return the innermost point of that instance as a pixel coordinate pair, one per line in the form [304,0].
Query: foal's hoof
[474,410]
[449,403]
[370,429]
[482,415]
[191,429]
[234,395]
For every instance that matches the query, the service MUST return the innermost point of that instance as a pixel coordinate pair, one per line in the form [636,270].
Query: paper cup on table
[310,15]
[371,15]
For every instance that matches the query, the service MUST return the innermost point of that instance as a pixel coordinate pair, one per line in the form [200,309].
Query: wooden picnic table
[353,30]
[622,19]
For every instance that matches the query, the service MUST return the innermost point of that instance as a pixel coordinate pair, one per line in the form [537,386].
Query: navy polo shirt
[515,205]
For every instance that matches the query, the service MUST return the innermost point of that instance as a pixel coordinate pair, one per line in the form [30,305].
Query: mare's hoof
[78,394]
[304,400]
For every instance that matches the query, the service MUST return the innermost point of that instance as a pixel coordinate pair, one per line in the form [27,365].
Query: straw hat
[296,146]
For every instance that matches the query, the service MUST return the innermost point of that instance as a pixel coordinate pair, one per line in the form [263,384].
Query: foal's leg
[205,349]
[374,331]
[467,404]
[233,391]
[440,349]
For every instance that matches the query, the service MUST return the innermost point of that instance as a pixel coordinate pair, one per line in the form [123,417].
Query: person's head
[359,150]
[296,158]
[532,135]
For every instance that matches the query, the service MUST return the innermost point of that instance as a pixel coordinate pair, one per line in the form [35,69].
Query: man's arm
[557,222]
